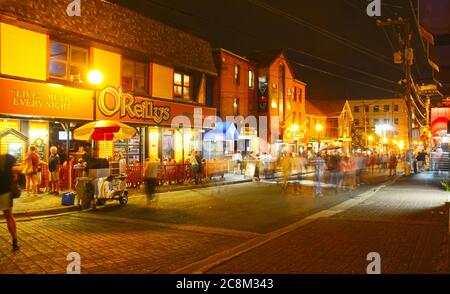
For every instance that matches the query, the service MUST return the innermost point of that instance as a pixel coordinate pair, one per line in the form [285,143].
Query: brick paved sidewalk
[406,223]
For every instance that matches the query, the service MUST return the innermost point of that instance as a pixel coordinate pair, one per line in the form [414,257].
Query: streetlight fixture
[319,129]
[95,78]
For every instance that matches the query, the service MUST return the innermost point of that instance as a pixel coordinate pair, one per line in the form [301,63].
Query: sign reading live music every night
[44,100]
[112,104]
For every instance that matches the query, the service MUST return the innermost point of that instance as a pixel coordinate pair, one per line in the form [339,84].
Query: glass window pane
[187,81]
[77,73]
[177,91]
[127,68]
[139,85]
[58,51]
[186,93]
[177,79]
[141,69]
[127,83]
[79,57]
[57,69]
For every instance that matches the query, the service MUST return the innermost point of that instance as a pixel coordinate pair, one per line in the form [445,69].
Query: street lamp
[319,128]
[95,77]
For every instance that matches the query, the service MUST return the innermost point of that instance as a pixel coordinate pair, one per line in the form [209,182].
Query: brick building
[152,73]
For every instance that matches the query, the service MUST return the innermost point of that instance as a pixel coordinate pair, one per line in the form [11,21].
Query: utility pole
[407,59]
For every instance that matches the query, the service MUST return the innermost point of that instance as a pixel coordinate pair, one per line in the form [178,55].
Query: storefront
[168,130]
[39,114]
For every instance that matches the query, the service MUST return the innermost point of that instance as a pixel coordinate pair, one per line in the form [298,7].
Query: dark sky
[333,45]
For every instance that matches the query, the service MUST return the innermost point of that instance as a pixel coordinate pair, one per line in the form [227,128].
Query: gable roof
[265,58]
[329,107]
[312,109]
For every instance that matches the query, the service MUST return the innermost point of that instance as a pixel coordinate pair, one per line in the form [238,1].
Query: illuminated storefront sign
[44,100]
[112,104]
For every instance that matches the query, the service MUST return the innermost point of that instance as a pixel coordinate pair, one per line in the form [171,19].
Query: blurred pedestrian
[319,174]
[54,167]
[151,178]
[392,164]
[286,167]
[8,191]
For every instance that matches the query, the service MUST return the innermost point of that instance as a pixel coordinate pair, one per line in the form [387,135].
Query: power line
[342,77]
[343,66]
[326,33]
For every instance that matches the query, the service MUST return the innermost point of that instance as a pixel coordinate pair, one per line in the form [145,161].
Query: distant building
[281,95]
[386,120]
[339,118]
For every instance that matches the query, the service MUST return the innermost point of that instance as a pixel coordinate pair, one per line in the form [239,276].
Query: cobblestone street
[256,226]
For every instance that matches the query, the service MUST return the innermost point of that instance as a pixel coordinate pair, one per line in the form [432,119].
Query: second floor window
[237,74]
[376,108]
[396,107]
[68,62]
[396,121]
[182,86]
[386,108]
[236,106]
[356,108]
[134,76]
[366,108]
[251,79]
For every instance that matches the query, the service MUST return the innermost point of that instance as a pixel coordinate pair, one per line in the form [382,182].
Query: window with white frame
[68,62]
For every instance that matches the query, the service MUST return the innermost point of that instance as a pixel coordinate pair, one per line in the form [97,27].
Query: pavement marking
[204,265]
[179,227]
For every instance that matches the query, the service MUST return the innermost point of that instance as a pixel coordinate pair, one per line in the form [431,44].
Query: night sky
[333,45]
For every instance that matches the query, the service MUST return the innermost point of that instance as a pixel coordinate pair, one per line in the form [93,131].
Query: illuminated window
[251,79]
[236,106]
[182,86]
[134,76]
[237,74]
[68,62]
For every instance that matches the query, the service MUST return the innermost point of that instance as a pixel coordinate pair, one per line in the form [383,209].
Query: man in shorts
[54,167]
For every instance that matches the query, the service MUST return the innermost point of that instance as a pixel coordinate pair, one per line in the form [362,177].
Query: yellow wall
[162,81]
[109,64]
[154,142]
[23,52]
[10,124]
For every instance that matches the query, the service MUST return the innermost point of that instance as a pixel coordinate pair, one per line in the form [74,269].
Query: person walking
[7,184]
[196,166]
[31,169]
[392,164]
[319,173]
[286,167]
[151,178]
[54,167]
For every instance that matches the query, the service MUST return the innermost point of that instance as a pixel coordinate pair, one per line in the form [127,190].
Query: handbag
[16,191]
